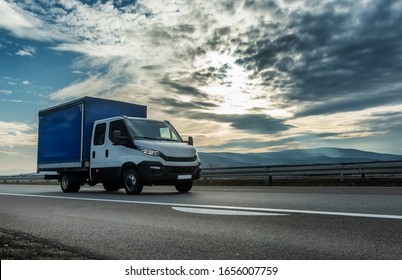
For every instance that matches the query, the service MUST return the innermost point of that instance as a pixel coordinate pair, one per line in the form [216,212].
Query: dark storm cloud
[220,37]
[211,75]
[181,88]
[336,49]
[174,106]
[256,123]
[349,59]
[256,143]
[161,35]
[252,143]
[351,103]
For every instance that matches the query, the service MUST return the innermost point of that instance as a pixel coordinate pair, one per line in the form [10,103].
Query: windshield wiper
[145,137]
[155,138]
[168,139]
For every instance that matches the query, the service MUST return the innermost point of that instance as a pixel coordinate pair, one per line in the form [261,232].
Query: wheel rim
[64,182]
[131,182]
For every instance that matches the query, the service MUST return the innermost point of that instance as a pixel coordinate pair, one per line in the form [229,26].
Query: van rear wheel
[131,182]
[110,187]
[68,184]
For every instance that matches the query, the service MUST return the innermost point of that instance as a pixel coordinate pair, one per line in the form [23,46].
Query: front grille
[179,159]
[181,169]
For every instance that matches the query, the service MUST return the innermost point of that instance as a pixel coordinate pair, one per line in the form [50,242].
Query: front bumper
[157,174]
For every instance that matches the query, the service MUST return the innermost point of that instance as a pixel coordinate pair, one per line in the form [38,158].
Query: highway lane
[213,222]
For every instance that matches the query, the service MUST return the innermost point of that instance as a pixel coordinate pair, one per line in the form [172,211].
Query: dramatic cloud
[340,49]
[254,123]
[96,85]
[16,134]
[16,17]
[353,102]
[276,73]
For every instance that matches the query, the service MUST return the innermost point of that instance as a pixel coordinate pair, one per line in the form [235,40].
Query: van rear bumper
[155,173]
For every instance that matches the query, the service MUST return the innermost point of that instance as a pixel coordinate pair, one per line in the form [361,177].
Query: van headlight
[149,152]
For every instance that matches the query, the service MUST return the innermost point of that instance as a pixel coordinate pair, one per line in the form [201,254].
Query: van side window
[117,126]
[99,138]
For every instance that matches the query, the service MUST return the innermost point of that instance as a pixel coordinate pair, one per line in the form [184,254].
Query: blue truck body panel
[64,135]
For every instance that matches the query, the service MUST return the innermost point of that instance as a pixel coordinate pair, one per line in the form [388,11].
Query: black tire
[68,185]
[131,182]
[110,187]
[184,187]
[90,183]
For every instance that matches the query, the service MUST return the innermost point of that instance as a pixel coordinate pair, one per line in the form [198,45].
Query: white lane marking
[294,211]
[224,212]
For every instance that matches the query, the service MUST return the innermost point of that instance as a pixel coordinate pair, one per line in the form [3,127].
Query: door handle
[107,153]
[93,154]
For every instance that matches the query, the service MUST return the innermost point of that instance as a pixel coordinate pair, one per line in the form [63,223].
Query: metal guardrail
[24,179]
[267,173]
[304,171]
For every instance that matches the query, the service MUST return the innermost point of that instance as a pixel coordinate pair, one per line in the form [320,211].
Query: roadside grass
[21,246]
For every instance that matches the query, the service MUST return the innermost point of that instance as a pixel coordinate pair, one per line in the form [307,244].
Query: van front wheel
[184,187]
[131,182]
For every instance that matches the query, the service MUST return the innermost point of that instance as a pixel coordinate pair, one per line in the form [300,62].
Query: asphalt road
[212,222]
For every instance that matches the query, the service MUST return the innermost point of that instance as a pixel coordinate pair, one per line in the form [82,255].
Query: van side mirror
[190,141]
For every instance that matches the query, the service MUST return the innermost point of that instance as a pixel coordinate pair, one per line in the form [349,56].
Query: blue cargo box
[64,136]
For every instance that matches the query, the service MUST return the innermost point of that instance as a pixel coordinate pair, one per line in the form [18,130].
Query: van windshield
[150,129]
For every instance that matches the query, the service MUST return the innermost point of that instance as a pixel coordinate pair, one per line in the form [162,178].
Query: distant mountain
[293,157]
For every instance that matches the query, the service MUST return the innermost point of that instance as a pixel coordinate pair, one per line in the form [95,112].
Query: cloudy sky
[241,76]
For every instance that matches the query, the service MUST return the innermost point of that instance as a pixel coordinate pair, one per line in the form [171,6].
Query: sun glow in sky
[238,75]
[234,90]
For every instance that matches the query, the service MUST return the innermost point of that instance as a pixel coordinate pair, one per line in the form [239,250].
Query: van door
[98,153]
[116,153]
